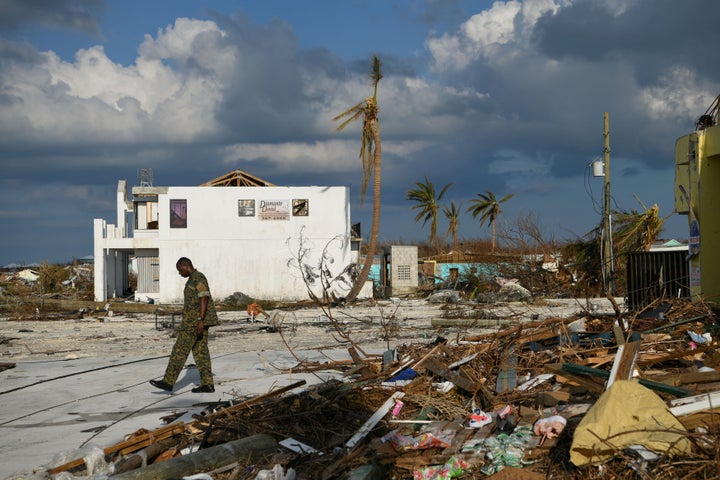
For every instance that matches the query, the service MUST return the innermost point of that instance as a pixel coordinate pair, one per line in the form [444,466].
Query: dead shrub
[51,277]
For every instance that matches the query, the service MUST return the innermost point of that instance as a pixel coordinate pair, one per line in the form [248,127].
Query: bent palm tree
[636,231]
[427,203]
[452,213]
[487,207]
[371,157]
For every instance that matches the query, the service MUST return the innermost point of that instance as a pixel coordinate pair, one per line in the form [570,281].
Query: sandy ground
[385,324]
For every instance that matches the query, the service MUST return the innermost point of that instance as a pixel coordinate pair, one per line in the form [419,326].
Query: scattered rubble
[596,395]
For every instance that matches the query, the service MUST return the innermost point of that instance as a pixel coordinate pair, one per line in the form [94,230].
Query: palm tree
[488,208]
[428,207]
[452,213]
[371,157]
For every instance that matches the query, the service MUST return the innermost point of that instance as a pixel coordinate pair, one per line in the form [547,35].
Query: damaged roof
[237,178]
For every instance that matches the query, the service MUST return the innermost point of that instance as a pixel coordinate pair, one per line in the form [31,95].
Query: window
[178,213]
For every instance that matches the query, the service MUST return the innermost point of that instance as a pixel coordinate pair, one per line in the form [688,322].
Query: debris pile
[592,396]
[30,293]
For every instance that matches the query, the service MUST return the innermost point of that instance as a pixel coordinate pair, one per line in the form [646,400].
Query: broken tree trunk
[147,454]
[246,448]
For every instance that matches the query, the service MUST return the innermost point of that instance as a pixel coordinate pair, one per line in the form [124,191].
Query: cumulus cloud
[491,35]
[98,99]
[677,94]
[322,156]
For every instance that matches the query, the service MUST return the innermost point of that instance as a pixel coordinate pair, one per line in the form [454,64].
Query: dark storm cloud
[70,14]
[265,103]
[13,52]
[270,99]
[652,35]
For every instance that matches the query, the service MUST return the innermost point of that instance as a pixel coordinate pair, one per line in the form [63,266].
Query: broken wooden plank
[645,361]
[624,364]
[298,446]
[669,326]
[696,403]
[414,459]
[552,397]
[592,384]
[460,380]
[458,441]
[432,352]
[691,378]
[707,419]
[463,361]
[259,398]
[660,387]
[535,381]
[539,330]
[596,361]
[146,455]
[470,322]
[507,376]
[361,365]
[373,420]
[131,445]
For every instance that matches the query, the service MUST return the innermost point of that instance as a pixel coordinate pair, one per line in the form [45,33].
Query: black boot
[204,389]
[162,385]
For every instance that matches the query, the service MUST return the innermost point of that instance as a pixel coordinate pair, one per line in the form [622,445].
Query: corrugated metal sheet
[148,280]
[653,275]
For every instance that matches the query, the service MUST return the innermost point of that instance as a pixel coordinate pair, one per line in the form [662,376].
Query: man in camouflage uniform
[198,315]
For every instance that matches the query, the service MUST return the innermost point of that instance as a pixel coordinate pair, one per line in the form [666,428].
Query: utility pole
[607,246]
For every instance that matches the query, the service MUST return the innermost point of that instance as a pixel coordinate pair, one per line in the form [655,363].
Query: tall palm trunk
[437,242]
[375,229]
[492,236]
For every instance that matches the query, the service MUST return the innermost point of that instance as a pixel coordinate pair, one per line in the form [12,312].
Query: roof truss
[237,178]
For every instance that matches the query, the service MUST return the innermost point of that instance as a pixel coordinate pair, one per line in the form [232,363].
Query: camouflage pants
[186,342]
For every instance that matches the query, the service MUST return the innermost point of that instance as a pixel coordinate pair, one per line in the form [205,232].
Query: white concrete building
[244,234]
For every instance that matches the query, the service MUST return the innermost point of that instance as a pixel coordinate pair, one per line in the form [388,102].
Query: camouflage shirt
[196,287]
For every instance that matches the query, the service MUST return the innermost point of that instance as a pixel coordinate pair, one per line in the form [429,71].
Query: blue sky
[503,96]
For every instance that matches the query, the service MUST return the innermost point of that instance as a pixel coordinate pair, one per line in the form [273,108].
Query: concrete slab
[55,411]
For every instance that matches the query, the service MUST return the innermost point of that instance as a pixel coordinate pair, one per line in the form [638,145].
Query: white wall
[246,254]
